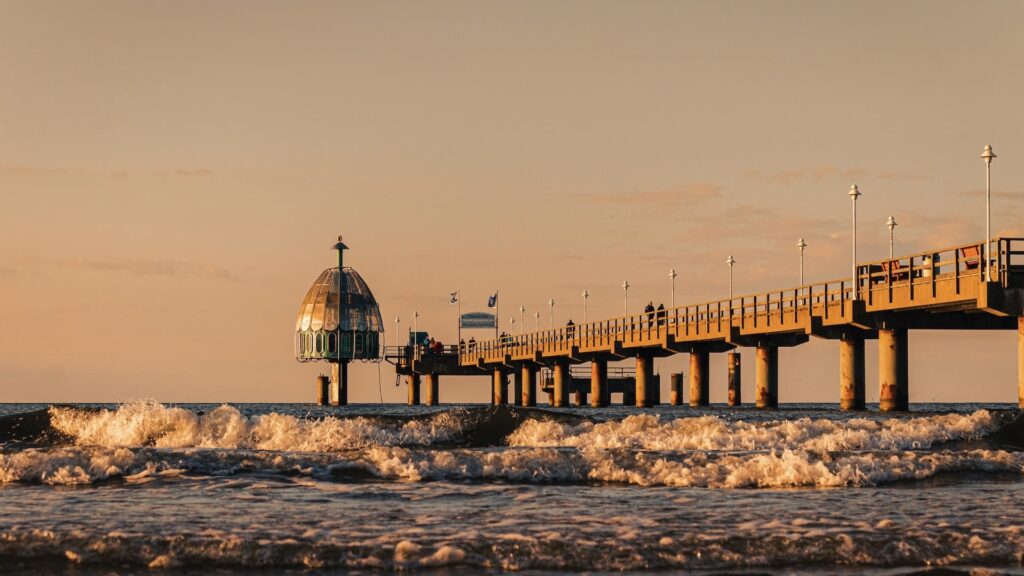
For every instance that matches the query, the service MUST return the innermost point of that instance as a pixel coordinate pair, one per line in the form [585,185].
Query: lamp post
[625,291]
[854,193]
[731,262]
[536,321]
[672,274]
[987,156]
[585,296]
[398,331]
[891,224]
[551,314]
[522,322]
[416,333]
[801,245]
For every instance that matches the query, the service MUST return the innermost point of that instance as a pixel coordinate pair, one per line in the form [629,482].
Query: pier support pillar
[323,390]
[644,380]
[413,382]
[599,383]
[433,388]
[893,370]
[676,395]
[851,374]
[339,383]
[735,397]
[561,384]
[1020,361]
[517,388]
[629,397]
[700,384]
[500,394]
[767,384]
[529,376]
[581,396]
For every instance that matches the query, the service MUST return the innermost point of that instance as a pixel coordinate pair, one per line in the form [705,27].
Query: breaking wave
[145,439]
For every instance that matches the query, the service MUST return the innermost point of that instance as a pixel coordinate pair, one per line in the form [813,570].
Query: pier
[947,289]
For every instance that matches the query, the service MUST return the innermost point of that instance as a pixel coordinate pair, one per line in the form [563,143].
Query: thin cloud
[194,172]
[997,194]
[828,172]
[142,267]
[25,169]
[692,192]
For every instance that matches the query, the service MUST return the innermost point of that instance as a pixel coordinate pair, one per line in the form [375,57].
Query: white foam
[649,432]
[150,423]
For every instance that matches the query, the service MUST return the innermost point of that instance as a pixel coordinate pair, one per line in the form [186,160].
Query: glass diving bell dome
[339,319]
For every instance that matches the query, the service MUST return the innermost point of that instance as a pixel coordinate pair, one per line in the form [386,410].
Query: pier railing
[949,277]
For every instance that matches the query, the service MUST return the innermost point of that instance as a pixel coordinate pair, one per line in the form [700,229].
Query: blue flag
[492,300]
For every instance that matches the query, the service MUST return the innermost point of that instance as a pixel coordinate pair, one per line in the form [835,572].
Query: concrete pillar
[413,382]
[851,374]
[561,384]
[529,376]
[767,393]
[676,395]
[644,380]
[599,394]
[735,396]
[323,390]
[500,387]
[893,370]
[517,388]
[1020,361]
[433,387]
[581,396]
[339,383]
[629,397]
[699,382]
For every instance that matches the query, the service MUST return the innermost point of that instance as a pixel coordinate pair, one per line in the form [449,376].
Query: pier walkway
[945,289]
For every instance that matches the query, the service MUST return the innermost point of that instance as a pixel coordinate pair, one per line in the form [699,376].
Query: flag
[455,297]
[492,300]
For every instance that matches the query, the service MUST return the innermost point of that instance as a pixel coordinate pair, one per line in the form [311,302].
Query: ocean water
[295,489]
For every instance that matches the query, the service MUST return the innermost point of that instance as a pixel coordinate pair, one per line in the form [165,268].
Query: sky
[174,174]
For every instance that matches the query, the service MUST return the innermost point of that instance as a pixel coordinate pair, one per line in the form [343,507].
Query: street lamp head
[522,309]
[854,192]
[551,302]
[585,293]
[625,285]
[672,274]
[730,261]
[987,154]
[891,223]
[801,244]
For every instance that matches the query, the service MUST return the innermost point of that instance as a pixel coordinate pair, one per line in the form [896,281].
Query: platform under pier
[644,380]
[412,381]
[1020,361]
[735,395]
[433,388]
[676,389]
[700,384]
[500,388]
[339,383]
[893,370]
[517,388]
[766,393]
[323,390]
[529,375]
[561,384]
[851,374]
[599,394]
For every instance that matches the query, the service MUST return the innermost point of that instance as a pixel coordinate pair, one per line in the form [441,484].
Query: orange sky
[174,174]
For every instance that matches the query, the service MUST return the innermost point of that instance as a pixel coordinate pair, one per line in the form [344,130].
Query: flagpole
[497,311]
[458,300]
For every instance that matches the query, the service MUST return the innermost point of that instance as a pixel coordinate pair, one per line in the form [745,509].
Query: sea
[153,488]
